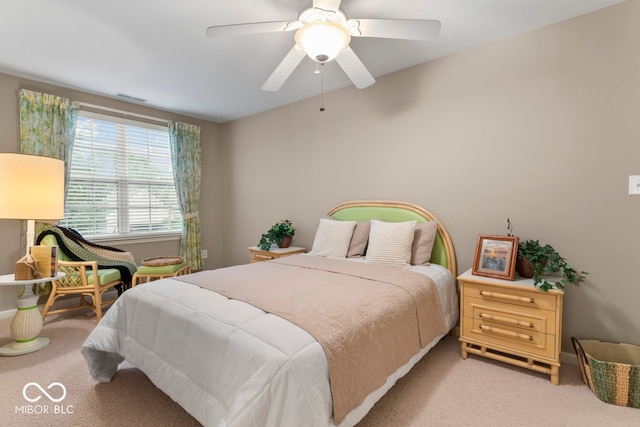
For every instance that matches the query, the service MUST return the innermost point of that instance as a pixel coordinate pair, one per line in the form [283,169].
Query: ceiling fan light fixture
[322,41]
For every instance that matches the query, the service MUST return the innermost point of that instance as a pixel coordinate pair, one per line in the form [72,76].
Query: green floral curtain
[185,156]
[47,128]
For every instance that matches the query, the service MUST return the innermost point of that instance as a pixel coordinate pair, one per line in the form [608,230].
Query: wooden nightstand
[257,255]
[511,321]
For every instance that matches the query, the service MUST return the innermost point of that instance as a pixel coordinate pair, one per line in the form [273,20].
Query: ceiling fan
[323,33]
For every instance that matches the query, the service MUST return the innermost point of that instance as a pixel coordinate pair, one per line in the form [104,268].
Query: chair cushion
[105,276]
[165,270]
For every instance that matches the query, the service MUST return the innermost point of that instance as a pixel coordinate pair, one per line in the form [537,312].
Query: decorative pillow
[423,242]
[332,238]
[359,239]
[390,242]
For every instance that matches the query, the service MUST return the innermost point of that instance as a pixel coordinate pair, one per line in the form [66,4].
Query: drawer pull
[506,333]
[263,256]
[507,297]
[514,322]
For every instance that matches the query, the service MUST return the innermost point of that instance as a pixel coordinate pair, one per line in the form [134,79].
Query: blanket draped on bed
[74,246]
[370,319]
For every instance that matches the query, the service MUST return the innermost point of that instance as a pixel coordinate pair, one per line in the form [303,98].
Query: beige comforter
[370,319]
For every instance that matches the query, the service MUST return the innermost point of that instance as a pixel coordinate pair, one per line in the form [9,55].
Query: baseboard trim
[568,358]
[565,356]
[7,314]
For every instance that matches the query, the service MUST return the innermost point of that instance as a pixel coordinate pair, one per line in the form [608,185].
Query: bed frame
[442,254]
[107,344]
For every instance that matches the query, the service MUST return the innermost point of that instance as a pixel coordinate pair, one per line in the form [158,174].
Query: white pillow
[332,238]
[390,242]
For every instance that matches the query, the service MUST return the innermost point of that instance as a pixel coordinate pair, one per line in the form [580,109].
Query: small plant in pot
[281,233]
[535,260]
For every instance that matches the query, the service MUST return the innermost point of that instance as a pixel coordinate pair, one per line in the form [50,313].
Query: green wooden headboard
[442,253]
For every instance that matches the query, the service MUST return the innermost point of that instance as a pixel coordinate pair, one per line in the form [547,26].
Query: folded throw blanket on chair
[73,245]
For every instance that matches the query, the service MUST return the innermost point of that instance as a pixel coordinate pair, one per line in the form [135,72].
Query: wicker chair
[83,278]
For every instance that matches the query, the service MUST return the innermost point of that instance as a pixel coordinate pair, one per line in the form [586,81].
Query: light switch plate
[634,185]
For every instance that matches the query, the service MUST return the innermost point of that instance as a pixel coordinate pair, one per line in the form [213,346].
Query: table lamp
[31,188]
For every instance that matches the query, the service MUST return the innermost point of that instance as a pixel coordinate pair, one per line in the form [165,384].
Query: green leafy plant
[276,234]
[545,260]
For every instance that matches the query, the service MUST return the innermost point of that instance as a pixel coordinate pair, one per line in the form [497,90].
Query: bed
[306,340]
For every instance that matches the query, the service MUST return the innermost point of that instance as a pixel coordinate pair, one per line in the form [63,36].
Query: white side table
[27,323]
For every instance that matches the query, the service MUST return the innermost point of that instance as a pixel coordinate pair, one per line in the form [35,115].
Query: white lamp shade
[322,41]
[31,187]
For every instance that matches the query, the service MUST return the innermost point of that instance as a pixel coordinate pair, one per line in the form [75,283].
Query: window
[121,181]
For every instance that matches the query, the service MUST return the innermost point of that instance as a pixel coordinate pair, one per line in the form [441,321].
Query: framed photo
[495,257]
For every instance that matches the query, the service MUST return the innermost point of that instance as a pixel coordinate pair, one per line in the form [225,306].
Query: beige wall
[540,127]
[210,209]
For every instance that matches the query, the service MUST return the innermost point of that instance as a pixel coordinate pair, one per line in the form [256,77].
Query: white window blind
[121,181]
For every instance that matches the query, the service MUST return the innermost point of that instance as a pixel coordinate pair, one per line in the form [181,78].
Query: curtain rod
[124,113]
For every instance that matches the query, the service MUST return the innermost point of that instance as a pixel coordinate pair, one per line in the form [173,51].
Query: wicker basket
[611,370]
[162,261]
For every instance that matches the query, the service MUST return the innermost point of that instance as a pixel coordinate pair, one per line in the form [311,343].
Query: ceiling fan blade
[407,29]
[354,68]
[220,31]
[283,70]
[327,4]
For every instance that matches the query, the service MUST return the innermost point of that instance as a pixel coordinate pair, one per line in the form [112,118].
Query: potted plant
[281,233]
[535,260]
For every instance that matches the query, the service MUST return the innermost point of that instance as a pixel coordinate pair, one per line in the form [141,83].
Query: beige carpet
[441,390]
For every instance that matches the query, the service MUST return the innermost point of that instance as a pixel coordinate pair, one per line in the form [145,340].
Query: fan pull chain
[321,87]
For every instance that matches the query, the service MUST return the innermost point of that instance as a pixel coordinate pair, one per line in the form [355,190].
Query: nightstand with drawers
[257,255]
[511,321]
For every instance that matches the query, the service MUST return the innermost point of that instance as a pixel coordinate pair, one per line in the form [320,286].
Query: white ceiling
[157,49]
